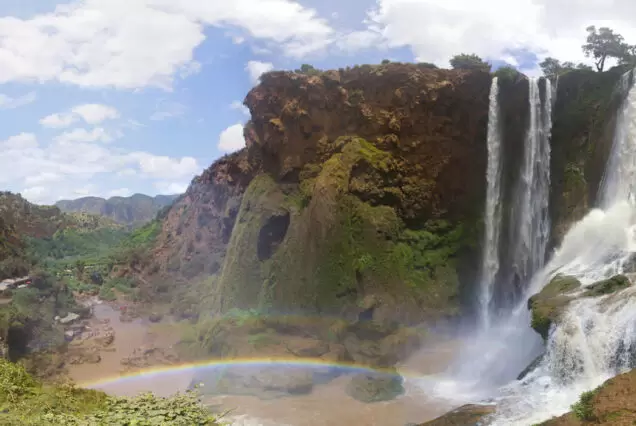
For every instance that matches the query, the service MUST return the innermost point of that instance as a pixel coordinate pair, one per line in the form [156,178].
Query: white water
[490,262]
[596,338]
[532,224]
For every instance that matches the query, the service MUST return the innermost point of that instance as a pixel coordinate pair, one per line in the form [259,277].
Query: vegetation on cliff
[612,403]
[26,401]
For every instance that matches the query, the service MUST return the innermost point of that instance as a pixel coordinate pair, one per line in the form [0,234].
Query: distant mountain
[133,211]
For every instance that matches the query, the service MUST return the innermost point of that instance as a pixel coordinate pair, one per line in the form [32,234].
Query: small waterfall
[596,338]
[531,222]
[492,219]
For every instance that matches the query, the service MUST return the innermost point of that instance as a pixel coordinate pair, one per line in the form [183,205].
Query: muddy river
[327,404]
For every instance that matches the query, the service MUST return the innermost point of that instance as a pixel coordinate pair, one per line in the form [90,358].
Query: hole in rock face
[271,235]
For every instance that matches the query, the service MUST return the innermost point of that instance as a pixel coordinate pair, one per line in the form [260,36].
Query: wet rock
[467,415]
[68,319]
[611,285]
[86,356]
[547,305]
[375,387]
[266,383]
[155,317]
[308,348]
[534,364]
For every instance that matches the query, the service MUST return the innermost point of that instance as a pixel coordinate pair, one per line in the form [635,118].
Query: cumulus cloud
[97,43]
[231,139]
[46,172]
[89,113]
[8,102]
[256,69]
[95,113]
[82,135]
[435,31]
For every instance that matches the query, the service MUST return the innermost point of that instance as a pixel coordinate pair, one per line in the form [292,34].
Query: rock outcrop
[548,305]
[349,188]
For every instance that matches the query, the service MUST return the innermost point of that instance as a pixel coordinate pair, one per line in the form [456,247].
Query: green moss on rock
[547,305]
[608,286]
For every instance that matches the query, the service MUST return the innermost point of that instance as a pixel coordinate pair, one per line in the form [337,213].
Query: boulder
[155,317]
[466,415]
[375,387]
[265,383]
[547,305]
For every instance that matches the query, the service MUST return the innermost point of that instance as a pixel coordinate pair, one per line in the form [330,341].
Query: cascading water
[490,263]
[596,337]
[531,224]
[480,370]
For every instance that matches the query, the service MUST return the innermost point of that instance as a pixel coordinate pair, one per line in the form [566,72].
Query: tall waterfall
[480,367]
[596,337]
[490,262]
[531,223]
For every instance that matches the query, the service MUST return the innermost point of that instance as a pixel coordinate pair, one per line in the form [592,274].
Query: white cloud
[58,120]
[82,135]
[435,31]
[95,113]
[238,105]
[71,166]
[8,102]
[119,192]
[171,187]
[131,44]
[231,139]
[167,110]
[162,167]
[90,113]
[256,69]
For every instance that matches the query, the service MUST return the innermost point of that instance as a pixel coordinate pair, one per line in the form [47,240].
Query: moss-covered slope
[355,184]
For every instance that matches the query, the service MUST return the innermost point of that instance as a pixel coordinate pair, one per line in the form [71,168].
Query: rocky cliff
[359,189]
[363,189]
[134,211]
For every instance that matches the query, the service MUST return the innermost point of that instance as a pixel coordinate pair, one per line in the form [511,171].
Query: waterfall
[480,368]
[492,219]
[531,223]
[596,337]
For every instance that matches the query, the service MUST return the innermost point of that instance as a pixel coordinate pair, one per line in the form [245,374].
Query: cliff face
[134,211]
[359,190]
[582,135]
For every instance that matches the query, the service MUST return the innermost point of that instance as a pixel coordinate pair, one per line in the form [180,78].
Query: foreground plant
[25,401]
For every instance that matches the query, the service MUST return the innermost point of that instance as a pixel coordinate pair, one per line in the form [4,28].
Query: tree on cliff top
[469,62]
[604,43]
[553,68]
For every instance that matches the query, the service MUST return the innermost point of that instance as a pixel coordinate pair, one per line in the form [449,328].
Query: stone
[466,415]
[266,383]
[155,317]
[375,387]
[70,318]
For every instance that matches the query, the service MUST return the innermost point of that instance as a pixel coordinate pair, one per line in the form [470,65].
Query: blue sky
[113,97]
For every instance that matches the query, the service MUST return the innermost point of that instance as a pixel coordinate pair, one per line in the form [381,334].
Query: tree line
[601,44]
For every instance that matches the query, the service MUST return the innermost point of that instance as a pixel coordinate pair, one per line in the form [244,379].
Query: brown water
[328,404]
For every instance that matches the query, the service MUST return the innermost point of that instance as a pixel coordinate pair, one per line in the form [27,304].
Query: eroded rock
[375,387]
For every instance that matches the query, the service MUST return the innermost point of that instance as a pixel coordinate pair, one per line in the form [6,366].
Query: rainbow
[245,362]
